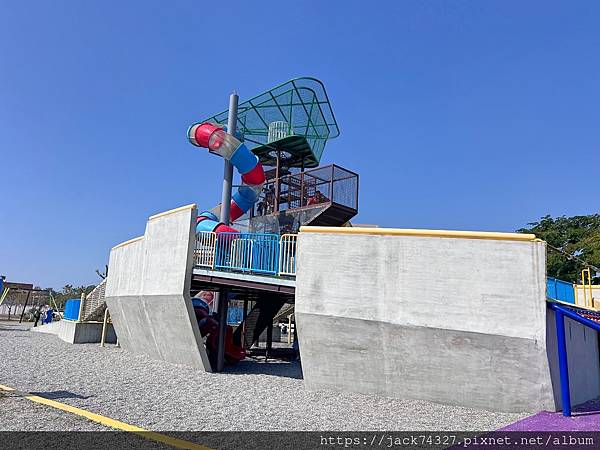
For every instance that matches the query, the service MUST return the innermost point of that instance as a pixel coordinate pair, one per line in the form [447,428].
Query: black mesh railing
[327,184]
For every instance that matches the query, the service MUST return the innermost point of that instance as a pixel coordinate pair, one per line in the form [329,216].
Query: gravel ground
[162,396]
[19,414]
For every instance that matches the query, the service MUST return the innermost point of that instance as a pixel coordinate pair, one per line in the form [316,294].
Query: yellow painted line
[490,235]
[172,211]
[112,423]
[130,241]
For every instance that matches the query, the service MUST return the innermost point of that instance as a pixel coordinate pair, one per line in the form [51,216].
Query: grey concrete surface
[78,332]
[583,296]
[162,396]
[459,321]
[147,291]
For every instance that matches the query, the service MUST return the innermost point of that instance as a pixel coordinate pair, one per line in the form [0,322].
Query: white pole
[104,323]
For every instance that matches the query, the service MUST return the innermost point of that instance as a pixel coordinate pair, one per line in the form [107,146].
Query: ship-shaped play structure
[455,317]
[279,141]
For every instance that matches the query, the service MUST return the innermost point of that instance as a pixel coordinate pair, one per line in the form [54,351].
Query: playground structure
[85,320]
[278,136]
[420,314]
[20,296]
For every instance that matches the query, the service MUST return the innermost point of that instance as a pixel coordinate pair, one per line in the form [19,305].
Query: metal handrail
[261,253]
[287,254]
[204,252]
[560,312]
[587,287]
[247,252]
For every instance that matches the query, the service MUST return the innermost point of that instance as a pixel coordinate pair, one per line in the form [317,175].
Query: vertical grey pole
[225,218]
[222,313]
[228,169]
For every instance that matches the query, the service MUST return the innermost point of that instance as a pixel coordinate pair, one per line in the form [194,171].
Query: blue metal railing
[560,313]
[560,290]
[247,252]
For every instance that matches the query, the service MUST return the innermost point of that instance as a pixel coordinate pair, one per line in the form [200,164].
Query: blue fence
[72,309]
[247,252]
[560,290]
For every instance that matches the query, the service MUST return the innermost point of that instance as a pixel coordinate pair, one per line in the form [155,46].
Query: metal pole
[244,317]
[104,324]
[23,312]
[225,218]
[4,294]
[269,340]
[223,303]
[81,301]
[277,188]
[228,167]
[563,362]
[302,184]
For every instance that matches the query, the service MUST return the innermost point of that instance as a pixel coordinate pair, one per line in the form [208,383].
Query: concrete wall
[582,295]
[78,332]
[448,319]
[148,287]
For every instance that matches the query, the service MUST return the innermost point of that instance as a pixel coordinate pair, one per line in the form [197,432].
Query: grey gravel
[19,414]
[162,396]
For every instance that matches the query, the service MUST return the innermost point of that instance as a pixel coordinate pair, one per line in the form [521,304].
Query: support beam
[225,218]
[228,167]
[277,184]
[563,362]
[104,325]
[24,307]
[244,316]
[269,341]
[222,313]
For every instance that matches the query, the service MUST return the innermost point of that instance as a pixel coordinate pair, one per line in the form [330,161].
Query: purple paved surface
[585,417]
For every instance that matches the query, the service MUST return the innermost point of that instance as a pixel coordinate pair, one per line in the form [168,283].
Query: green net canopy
[294,118]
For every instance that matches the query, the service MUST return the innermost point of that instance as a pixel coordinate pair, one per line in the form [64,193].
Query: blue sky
[457,114]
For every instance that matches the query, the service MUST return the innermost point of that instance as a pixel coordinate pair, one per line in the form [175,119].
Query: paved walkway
[585,418]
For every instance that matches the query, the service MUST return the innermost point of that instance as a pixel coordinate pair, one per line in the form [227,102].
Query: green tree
[69,291]
[577,239]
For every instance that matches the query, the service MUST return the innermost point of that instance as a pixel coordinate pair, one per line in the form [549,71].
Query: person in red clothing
[317,198]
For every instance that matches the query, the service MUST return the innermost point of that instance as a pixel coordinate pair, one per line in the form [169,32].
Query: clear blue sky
[457,114]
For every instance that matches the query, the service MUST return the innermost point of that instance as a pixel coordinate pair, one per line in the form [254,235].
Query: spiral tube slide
[219,142]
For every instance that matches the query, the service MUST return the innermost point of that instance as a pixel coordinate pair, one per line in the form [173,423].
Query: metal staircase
[258,319]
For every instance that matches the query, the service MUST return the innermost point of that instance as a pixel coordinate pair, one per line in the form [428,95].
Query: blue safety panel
[560,290]
[265,256]
[72,309]
[248,252]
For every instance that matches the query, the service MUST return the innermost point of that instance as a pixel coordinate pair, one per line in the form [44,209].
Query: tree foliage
[577,238]
[69,291]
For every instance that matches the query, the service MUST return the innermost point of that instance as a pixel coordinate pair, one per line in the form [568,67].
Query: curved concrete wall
[147,291]
[448,319]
